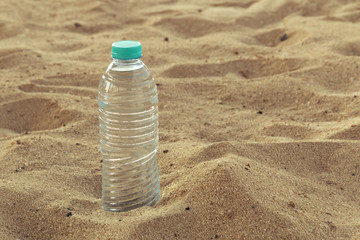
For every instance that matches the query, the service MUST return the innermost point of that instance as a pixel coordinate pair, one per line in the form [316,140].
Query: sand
[259,118]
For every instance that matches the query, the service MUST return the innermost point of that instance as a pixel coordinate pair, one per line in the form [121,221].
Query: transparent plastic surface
[128,120]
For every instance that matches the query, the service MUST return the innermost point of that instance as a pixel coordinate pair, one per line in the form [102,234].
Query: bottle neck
[127,61]
[126,65]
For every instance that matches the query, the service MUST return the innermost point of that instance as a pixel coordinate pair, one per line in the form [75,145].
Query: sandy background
[259,131]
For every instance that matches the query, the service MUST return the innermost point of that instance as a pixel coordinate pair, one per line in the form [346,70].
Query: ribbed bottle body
[128,120]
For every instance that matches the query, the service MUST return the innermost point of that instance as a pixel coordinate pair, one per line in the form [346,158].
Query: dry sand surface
[259,118]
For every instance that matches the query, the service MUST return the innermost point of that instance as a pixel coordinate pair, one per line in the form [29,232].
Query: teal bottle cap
[126,50]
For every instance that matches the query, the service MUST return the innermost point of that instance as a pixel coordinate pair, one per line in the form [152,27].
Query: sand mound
[34,114]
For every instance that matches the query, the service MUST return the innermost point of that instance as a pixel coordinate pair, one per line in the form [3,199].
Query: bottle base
[131,205]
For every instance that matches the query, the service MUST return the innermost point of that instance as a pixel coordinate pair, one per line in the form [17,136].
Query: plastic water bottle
[128,119]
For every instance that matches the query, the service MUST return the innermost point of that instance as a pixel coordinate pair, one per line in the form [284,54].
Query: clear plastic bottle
[128,120]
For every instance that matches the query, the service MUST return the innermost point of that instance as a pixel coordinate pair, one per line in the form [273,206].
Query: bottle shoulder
[128,73]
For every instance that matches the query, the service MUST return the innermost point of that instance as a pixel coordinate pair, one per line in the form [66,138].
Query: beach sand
[259,112]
